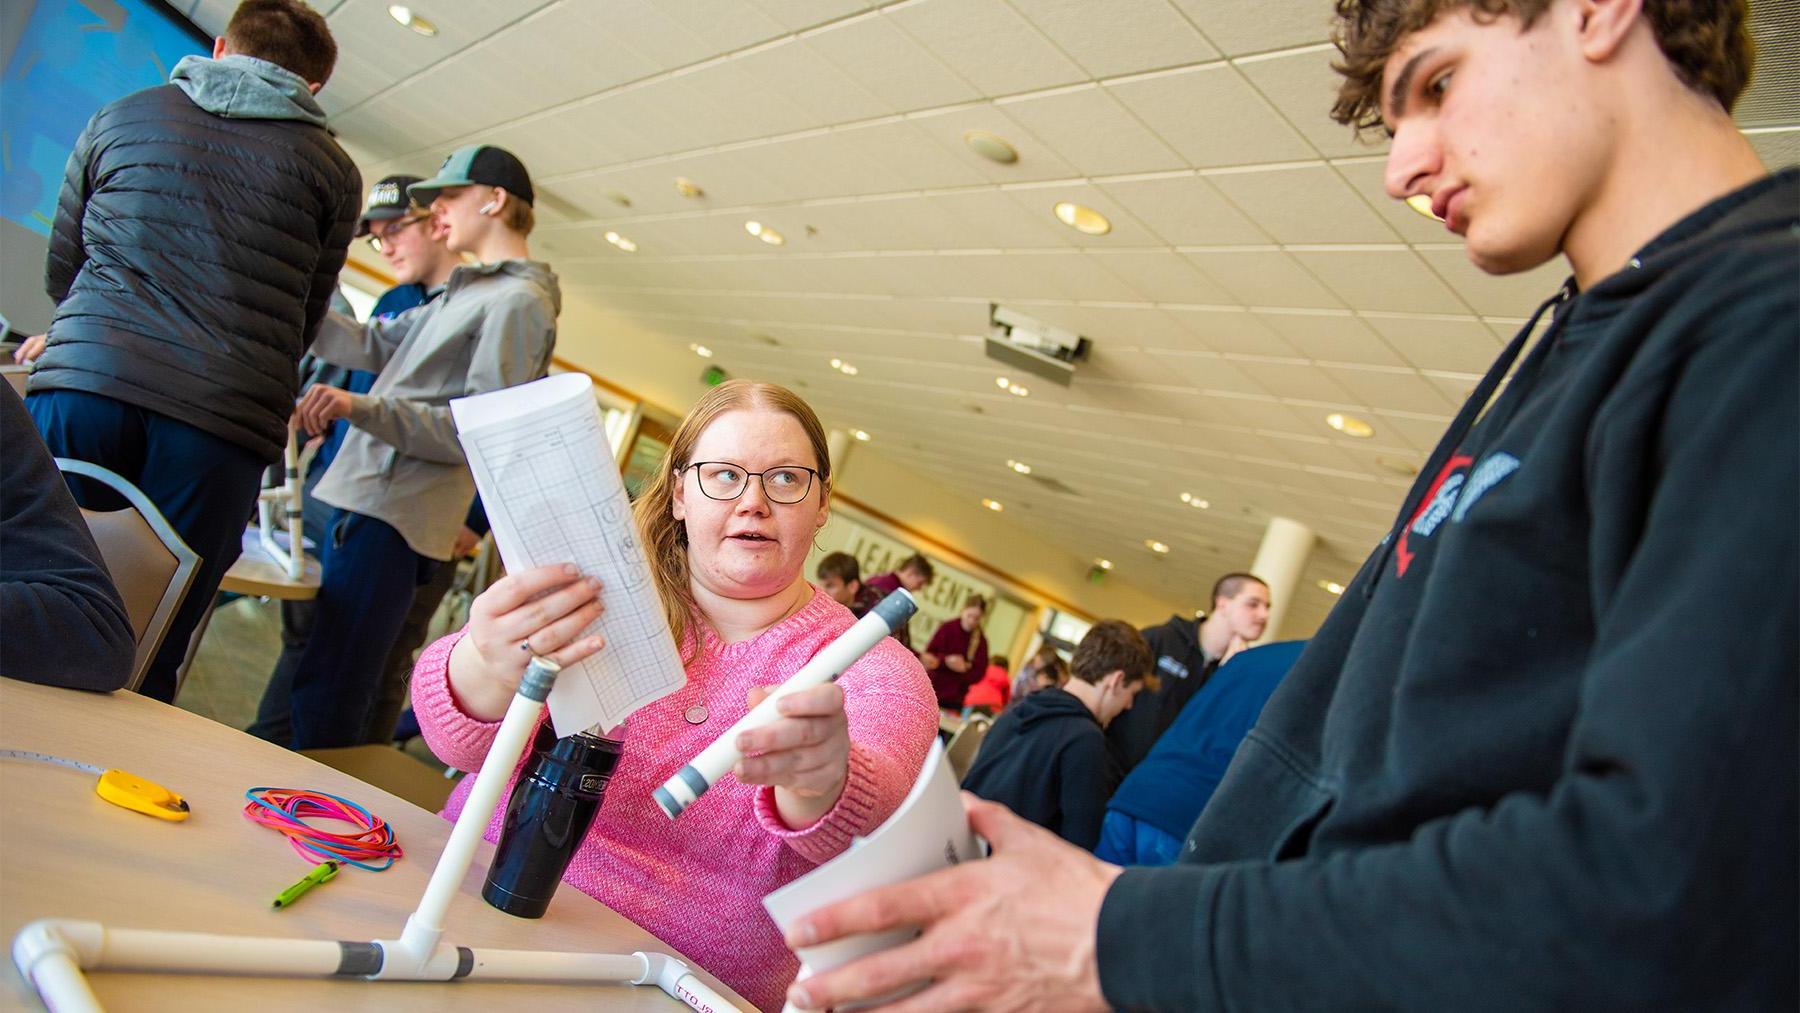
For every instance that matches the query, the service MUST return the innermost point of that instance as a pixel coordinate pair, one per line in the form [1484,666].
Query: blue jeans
[365,591]
[204,485]
[1125,840]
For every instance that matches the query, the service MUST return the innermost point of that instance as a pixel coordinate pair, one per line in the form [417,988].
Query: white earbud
[488,208]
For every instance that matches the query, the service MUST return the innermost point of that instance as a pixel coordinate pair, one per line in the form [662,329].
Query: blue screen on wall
[64,59]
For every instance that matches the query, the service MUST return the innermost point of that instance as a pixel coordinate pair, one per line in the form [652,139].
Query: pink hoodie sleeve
[893,718]
[454,737]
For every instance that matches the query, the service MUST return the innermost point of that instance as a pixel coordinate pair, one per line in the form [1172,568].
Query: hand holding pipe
[692,780]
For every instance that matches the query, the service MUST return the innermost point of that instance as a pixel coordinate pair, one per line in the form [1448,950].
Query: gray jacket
[494,327]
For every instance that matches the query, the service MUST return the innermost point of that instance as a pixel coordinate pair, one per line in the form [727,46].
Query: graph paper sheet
[553,495]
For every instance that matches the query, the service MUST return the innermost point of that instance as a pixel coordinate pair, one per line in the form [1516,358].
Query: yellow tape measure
[119,787]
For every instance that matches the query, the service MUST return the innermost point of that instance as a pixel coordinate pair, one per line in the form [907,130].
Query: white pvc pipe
[545,965]
[701,773]
[424,926]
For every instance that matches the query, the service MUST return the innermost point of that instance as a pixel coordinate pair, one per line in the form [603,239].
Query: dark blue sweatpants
[364,594]
[205,486]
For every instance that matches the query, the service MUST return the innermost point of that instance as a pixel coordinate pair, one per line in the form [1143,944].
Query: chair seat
[390,770]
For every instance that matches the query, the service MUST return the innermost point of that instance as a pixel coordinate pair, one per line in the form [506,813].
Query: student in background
[914,573]
[1158,802]
[840,577]
[991,694]
[1028,681]
[1046,759]
[197,243]
[403,234]
[400,485]
[957,655]
[1187,653]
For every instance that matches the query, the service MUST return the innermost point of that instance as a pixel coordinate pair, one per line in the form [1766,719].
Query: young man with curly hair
[1512,769]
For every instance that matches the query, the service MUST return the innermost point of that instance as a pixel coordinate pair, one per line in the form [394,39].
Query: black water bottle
[549,813]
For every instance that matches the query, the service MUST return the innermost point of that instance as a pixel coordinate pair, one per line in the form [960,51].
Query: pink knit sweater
[697,883]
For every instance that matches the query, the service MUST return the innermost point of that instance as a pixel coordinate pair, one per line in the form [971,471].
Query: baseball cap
[477,163]
[387,201]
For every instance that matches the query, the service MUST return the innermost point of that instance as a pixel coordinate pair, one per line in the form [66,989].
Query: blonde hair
[664,537]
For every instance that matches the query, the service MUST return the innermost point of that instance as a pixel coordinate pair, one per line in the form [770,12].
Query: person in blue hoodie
[197,243]
[1516,768]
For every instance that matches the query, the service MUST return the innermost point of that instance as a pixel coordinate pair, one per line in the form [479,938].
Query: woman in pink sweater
[726,526]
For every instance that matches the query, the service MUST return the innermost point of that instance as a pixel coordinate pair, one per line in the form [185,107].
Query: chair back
[965,744]
[17,375]
[149,563]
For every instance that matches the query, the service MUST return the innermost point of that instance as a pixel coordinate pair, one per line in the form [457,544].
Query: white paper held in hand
[552,492]
[928,832]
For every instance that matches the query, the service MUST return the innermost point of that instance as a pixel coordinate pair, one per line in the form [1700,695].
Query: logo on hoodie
[1452,494]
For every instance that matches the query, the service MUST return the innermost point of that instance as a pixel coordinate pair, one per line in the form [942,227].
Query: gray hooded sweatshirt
[246,88]
[401,462]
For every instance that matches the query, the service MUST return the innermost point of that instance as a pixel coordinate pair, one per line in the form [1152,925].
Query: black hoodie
[1182,667]
[1542,754]
[1046,759]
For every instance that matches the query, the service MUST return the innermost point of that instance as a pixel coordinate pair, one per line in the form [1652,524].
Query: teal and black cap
[387,201]
[477,163]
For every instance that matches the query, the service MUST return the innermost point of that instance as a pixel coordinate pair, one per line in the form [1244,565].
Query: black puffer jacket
[198,238]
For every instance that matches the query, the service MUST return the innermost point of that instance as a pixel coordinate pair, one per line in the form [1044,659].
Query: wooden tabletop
[66,853]
[256,574]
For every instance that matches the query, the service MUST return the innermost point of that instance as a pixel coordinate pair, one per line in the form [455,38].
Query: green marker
[320,874]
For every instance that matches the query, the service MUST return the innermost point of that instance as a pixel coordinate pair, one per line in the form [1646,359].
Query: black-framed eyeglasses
[722,480]
[385,233]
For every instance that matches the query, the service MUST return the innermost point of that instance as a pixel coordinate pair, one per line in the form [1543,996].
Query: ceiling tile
[1301,380]
[1041,199]
[988,219]
[1212,116]
[1185,211]
[886,61]
[989,44]
[1239,28]
[1332,337]
[1305,204]
[1123,37]
[1395,388]
[1224,330]
[800,75]
[1265,278]
[1160,276]
[1208,372]
[1458,344]
[1515,295]
[1365,177]
[797,15]
[1303,86]
[1393,280]
[1092,132]
[654,30]
[723,27]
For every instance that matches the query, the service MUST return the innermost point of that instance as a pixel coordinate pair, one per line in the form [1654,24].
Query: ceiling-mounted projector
[1033,346]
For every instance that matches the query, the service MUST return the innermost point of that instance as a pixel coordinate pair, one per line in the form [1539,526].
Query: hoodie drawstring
[1460,426]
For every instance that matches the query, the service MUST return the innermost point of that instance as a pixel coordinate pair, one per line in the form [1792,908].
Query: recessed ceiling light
[1002,382]
[859,435]
[993,504]
[1155,546]
[990,146]
[837,364]
[1350,425]
[1104,564]
[1332,586]
[1194,501]
[1421,202]
[621,242]
[405,16]
[1019,466]
[1082,218]
[850,370]
[765,233]
[844,367]
[688,188]
[700,350]
[1017,390]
